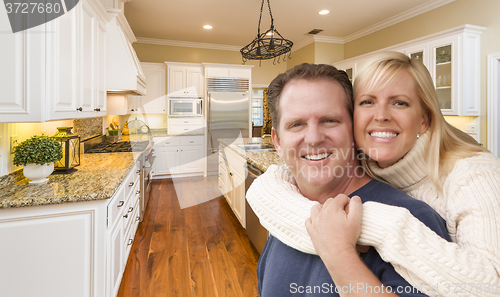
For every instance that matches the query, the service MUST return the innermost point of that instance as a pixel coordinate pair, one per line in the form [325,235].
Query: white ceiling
[235,22]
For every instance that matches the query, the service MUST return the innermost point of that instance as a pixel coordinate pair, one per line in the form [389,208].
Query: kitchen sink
[256,146]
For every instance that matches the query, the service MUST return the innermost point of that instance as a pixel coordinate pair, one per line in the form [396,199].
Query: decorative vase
[38,173]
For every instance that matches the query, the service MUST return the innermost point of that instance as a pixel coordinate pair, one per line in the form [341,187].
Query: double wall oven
[100,145]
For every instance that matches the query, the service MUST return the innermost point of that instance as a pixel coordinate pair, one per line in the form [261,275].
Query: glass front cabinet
[453,60]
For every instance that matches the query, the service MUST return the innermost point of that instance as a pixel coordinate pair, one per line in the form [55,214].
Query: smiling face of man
[315,136]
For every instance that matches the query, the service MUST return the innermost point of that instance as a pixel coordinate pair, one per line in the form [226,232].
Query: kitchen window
[257,115]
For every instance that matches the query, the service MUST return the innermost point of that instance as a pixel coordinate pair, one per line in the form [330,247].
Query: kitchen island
[261,160]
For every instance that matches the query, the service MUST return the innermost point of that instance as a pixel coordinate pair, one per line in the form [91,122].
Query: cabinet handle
[79,109]
[131,184]
[230,173]
[138,171]
[130,241]
[220,187]
[97,109]
[126,215]
[191,142]
[131,209]
[186,122]
[138,192]
[138,218]
[120,204]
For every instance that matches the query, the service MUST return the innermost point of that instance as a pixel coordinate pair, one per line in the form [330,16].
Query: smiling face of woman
[387,121]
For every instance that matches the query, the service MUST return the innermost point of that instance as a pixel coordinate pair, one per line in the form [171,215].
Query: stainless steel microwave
[186,107]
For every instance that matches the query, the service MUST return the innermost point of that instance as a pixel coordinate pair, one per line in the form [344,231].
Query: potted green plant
[37,154]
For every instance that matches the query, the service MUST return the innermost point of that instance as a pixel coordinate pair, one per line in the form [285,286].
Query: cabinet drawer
[167,141]
[185,129]
[116,206]
[194,121]
[192,140]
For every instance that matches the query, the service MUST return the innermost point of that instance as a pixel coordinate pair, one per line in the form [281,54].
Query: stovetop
[118,147]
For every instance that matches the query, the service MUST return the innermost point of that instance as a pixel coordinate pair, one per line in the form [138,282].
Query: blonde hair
[447,143]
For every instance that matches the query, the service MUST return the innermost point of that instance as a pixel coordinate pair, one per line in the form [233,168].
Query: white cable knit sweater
[469,202]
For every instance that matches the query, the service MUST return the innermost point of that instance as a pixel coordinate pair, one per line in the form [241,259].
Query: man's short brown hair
[308,72]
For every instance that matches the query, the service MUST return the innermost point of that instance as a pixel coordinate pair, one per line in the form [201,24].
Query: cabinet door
[194,82]
[176,81]
[155,100]
[191,159]
[22,60]
[101,70]
[115,254]
[239,198]
[88,62]
[57,252]
[134,104]
[167,161]
[419,52]
[63,85]
[444,55]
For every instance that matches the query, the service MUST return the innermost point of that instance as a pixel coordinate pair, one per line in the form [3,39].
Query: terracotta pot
[38,173]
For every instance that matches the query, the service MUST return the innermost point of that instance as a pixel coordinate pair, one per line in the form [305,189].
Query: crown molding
[328,39]
[398,18]
[155,41]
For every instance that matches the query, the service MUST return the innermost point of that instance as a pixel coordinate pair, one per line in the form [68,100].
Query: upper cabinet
[56,70]
[155,100]
[185,80]
[453,60]
[228,70]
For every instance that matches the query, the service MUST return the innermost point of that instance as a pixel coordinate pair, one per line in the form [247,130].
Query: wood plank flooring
[201,250]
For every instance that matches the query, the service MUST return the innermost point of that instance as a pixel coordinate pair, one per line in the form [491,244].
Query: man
[311,109]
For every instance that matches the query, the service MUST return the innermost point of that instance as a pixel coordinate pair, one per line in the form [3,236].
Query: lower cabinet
[179,155]
[232,169]
[70,249]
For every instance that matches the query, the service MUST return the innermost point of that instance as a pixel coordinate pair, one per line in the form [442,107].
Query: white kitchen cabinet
[228,70]
[232,174]
[122,221]
[185,125]
[179,155]
[55,71]
[69,249]
[453,59]
[155,101]
[167,161]
[185,80]
[123,104]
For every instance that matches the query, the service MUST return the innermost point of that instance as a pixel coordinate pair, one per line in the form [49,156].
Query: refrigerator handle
[208,121]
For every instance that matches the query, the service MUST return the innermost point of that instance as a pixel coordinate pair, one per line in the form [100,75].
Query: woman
[443,167]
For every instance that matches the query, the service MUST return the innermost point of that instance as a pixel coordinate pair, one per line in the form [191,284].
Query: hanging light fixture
[267,45]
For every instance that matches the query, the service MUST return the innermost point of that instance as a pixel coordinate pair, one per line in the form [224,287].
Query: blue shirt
[285,271]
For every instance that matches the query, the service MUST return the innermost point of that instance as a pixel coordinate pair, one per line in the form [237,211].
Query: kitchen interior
[167,126]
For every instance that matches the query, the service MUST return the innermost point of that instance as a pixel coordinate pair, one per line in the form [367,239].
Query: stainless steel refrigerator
[228,115]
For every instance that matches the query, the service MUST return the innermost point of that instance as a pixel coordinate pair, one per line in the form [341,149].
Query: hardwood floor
[201,250]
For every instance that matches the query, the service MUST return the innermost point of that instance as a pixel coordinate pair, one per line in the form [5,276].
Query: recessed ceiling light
[324,11]
[207,27]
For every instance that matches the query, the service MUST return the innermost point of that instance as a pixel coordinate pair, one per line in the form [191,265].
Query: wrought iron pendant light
[267,45]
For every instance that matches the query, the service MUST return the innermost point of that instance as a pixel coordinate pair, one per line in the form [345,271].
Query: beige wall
[302,55]
[262,74]
[475,12]
[328,53]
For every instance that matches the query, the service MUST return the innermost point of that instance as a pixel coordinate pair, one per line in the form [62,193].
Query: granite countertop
[260,160]
[97,178]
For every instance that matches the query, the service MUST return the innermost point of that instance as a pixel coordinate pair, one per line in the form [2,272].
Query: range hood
[124,73]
